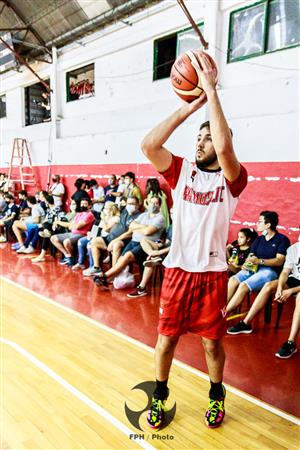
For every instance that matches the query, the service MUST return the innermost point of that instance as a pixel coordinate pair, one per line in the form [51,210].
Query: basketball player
[205,194]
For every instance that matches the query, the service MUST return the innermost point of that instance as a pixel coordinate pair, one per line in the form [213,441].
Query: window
[80,83]
[2,106]
[37,104]
[264,27]
[168,48]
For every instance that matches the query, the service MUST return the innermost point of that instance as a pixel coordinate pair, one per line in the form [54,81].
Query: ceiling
[36,25]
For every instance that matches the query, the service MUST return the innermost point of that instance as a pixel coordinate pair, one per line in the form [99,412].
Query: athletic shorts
[73,237]
[137,251]
[256,281]
[193,302]
[293,282]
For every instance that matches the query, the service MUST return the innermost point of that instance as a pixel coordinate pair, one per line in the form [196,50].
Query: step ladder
[21,170]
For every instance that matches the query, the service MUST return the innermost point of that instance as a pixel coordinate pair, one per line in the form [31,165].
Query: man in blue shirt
[262,266]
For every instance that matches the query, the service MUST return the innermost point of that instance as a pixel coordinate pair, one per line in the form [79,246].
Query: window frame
[68,72]
[162,38]
[265,37]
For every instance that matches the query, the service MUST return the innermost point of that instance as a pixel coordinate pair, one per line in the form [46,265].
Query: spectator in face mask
[79,227]
[80,193]
[132,189]
[98,198]
[57,190]
[114,242]
[111,189]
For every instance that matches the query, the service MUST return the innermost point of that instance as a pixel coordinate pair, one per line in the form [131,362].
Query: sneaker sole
[214,426]
[240,332]
[136,296]
[286,357]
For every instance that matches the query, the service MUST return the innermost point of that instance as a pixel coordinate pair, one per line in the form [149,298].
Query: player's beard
[206,162]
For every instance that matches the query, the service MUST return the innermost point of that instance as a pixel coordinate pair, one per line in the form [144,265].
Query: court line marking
[76,392]
[149,349]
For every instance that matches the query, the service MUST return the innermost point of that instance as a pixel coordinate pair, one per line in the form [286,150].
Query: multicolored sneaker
[215,412]
[156,413]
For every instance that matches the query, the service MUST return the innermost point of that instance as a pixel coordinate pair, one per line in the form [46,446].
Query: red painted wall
[272,186]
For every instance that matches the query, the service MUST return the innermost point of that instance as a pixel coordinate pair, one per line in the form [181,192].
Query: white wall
[260,101]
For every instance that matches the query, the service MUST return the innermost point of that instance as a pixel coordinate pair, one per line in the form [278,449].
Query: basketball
[185,76]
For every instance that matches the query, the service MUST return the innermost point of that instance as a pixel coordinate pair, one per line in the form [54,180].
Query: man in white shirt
[19,226]
[57,190]
[205,194]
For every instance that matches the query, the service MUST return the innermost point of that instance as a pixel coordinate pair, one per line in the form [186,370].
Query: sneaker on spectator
[3,239]
[287,350]
[78,267]
[152,261]
[240,328]
[29,250]
[138,292]
[101,281]
[70,262]
[16,246]
[91,271]
[63,261]
[22,249]
[45,234]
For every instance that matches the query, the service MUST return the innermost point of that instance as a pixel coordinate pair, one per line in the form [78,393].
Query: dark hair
[133,197]
[92,183]
[56,176]
[270,217]
[249,233]
[86,199]
[207,125]
[153,186]
[49,199]
[44,193]
[9,196]
[158,198]
[23,192]
[31,199]
[130,175]
[78,183]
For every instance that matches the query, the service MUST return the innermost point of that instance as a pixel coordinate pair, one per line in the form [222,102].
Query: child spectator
[132,189]
[238,251]
[10,216]
[98,198]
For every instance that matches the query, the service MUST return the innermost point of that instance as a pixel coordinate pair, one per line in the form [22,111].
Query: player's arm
[219,129]
[153,144]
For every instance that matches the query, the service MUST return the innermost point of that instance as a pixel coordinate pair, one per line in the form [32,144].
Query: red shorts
[193,302]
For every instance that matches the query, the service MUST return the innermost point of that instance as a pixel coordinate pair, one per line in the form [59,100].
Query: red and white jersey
[204,202]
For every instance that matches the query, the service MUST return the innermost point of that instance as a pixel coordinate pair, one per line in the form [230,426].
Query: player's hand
[286,293]
[278,295]
[207,73]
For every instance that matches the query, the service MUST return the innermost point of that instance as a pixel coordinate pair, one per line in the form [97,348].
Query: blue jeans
[82,246]
[32,235]
[91,259]
[256,281]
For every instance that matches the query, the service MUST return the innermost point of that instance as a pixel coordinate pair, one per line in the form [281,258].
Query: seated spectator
[111,189]
[110,217]
[24,208]
[238,251]
[153,189]
[132,189]
[268,251]
[59,225]
[80,193]
[156,253]
[9,217]
[115,241]
[287,285]
[121,189]
[2,181]
[98,198]
[82,223]
[3,204]
[57,190]
[20,226]
[150,224]
[42,199]
[44,228]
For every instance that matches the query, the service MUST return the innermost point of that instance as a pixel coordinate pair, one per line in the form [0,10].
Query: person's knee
[269,287]
[243,288]
[54,240]
[212,347]
[166,344]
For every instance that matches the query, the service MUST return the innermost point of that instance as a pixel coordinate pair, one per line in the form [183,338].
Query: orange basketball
[185,75]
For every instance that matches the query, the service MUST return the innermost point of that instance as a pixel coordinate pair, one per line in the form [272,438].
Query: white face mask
[72,208]
[153,208]
[264,233]
[127,182]
[130,209]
